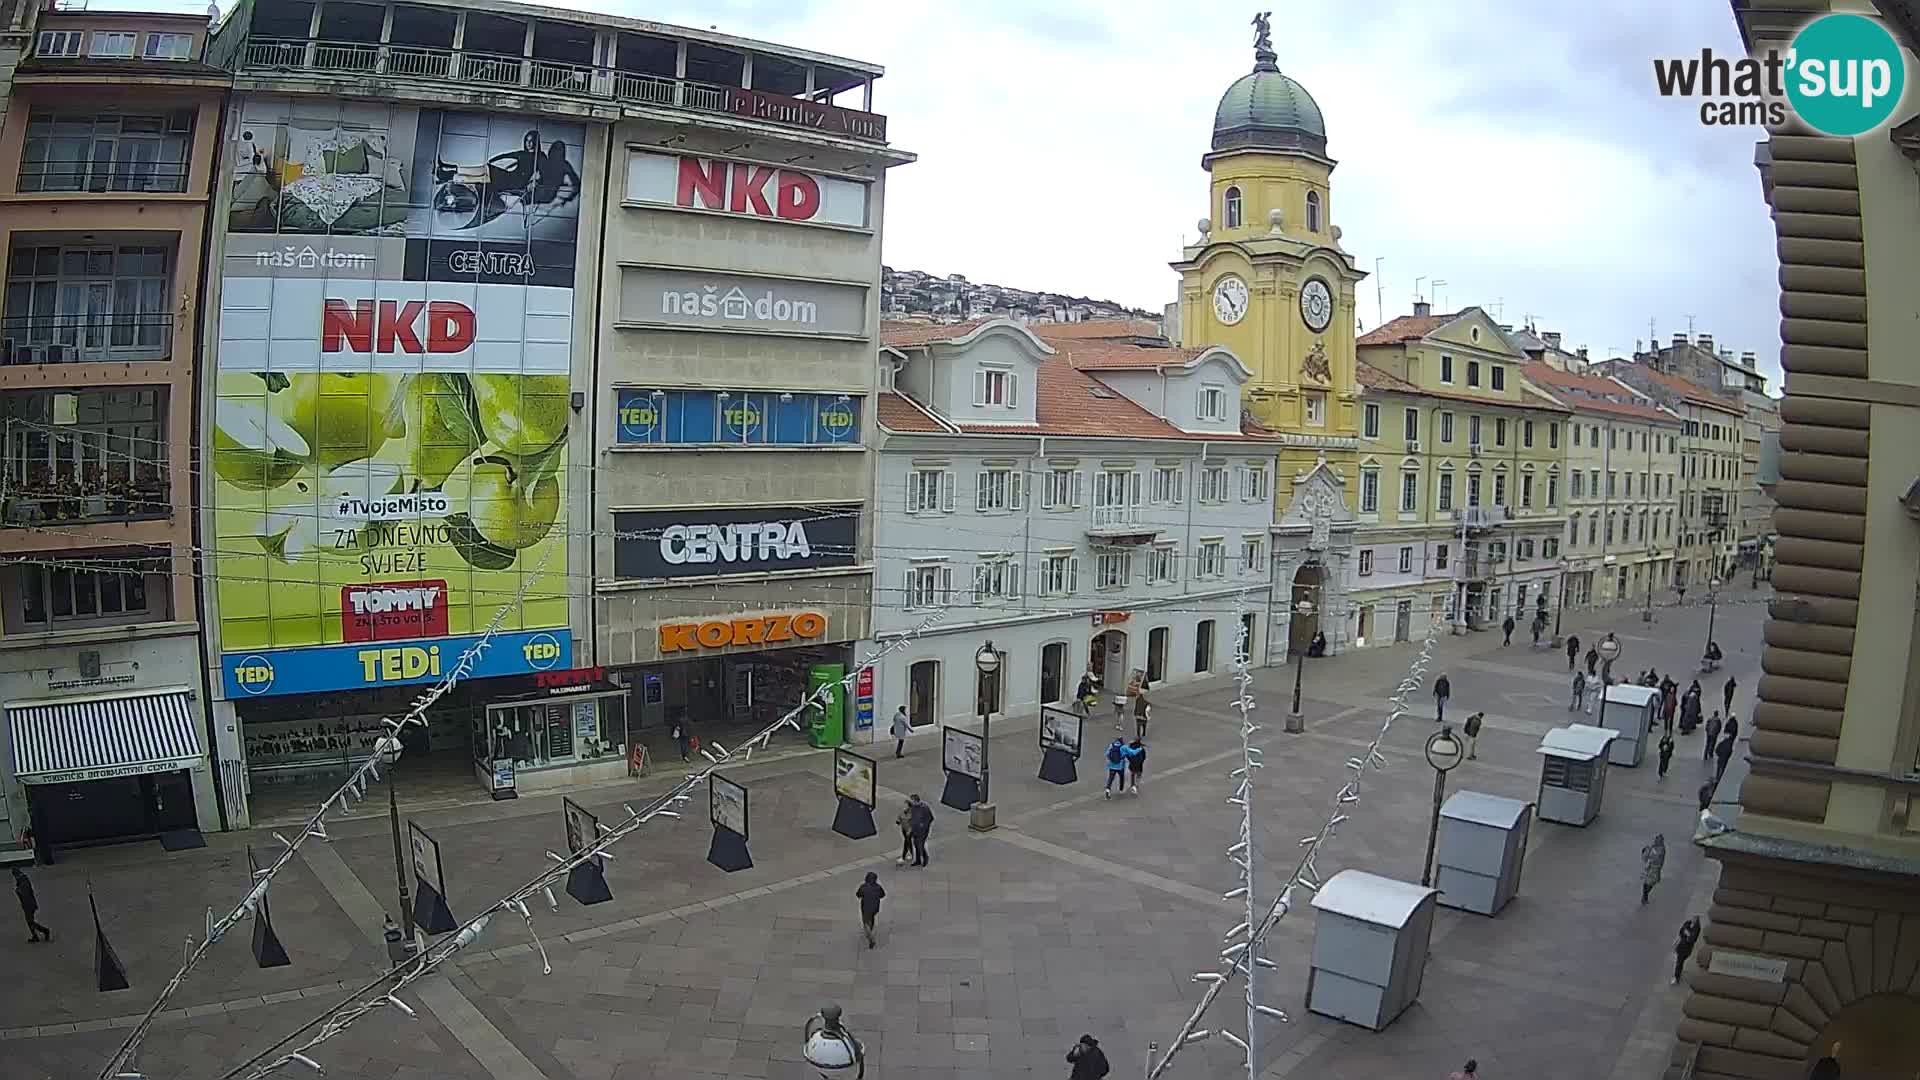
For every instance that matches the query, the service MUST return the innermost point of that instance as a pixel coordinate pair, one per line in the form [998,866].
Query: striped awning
[65,739]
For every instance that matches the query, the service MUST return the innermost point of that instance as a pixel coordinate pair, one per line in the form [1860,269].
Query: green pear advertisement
[389,439]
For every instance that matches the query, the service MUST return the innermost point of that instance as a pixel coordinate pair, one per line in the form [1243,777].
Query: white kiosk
[1630,715]
[1370,937]
[1483,842]
[1573,774]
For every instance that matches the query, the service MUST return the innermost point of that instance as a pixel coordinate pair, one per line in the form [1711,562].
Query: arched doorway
[1107,659]
[1307,582]
[1877,1037]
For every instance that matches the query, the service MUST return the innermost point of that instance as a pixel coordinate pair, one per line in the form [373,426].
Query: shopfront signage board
[377,664]
[779,628]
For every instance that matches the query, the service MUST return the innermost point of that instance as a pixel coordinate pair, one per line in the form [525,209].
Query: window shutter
[982,487]
[946,491]
[1079,491]
[1133,489]
[1073,575]
[913,492]
[1013,389]
[1013,580]
[979,386]
[1016,482]
[946,584]
[979,582]
[1179,486]
[911,600]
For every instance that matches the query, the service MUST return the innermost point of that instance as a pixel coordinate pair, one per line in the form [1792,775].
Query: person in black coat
[1573,650]
[1507,629]
[29,907]
[1442,690]
[1723,754]
[870,893]
[1683,945]
[1089,1061]
[921,823]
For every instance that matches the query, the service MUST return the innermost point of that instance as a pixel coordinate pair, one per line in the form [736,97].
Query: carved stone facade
[1315,530]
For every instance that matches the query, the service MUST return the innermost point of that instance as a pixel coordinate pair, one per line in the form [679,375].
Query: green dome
[1265,109]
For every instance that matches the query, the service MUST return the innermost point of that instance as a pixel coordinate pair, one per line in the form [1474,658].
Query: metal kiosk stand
[1483,842]
[1630,716]
[1370,937]
[1573,775]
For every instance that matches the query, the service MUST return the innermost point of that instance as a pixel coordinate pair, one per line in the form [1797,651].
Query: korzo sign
[745,188]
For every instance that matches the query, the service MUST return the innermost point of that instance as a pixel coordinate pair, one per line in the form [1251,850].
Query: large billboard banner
[393,396]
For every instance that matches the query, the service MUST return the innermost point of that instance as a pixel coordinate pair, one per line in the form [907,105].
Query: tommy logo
[393,611]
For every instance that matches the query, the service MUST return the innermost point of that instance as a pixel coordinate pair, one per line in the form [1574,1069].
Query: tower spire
[1264,58]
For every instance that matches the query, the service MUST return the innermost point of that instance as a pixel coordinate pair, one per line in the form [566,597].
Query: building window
[106,151]
[1440,557]
[1370,422]
[1499,431]
[1609,528]
[1613,439]
[1499,489]
[1446,368]
[929,585]
[1313,211]
[1112,569]
[1610,483]
[1526,434]
[1445,499]
[1212,562]
[1526,490]
[996,386]
[1163,564]
[1169,485]
[1369,491]
[1366,562]
[1213,403]
[1497,551]
[1062,490]
[1524,549]
[1059,575]
[1473,431]
[1116,497]
[168,47]
[996,578]
[1316,407]
[1213,484]
[1593,483]
[1593,530]
[1409,491]
[1203,647]
[1499,376]
[86,454]
[1412,423]
[997,490]
[1473,373]
[74,594]
[1553,491]
[66,304]
[1473,489]
[929,491]
[113,44]
[1446,427]
[1553,435]
[1232,210]
[1578,492]
[1573,530]
[1406,560]
[58,43]
[1253,483]
[1253,554]
[1627,479]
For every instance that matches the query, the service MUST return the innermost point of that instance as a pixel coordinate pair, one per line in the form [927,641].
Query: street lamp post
[390,751]
[1609,652]
[1444,753]
[1296,721]
[1647,616]
[830,1048]
[1565,564]
[1713,605]
[987,662]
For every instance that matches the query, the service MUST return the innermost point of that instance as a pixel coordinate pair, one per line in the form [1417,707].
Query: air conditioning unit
[1413,446]
[1473,449]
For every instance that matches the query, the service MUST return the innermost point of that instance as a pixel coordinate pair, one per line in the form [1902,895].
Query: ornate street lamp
[1565,564]
[390,751]
[1444,753]
[1713,605]
[1297,723]
[831,1048]
[987,663]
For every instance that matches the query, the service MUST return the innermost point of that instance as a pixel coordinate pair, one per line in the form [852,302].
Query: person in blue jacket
[1118,753]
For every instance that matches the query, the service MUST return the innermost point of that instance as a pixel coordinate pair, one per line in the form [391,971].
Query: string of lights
[120,1065]
[383,991]
[1243,956]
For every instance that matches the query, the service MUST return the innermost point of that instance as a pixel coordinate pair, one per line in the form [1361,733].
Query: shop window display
[540,734]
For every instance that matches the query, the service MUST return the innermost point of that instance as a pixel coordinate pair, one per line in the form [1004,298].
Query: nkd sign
[745,188]
[696,299]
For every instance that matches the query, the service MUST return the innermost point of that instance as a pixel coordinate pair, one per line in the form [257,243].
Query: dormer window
[55,43]
[1313,211]
[113,44]
[1232,211]
[168,47]
[996,387]
[1213,403]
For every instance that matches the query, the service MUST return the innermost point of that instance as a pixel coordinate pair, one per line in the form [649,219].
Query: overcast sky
[1515,149]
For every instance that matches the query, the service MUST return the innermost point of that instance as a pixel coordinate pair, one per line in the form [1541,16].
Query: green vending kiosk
[827,727]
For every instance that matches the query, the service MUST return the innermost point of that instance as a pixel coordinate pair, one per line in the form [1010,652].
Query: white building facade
[1084,506]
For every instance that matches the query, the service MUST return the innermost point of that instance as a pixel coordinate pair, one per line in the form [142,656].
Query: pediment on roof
[1319,497]
[1473,328]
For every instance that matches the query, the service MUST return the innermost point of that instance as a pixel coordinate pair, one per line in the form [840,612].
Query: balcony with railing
[593,63]
[109,300]
[1121,524]
[83,456]
[81,339]
[99,177]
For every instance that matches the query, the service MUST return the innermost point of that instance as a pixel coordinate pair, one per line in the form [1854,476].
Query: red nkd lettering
[739,188]
[799,196]
[391,326]
[703,184]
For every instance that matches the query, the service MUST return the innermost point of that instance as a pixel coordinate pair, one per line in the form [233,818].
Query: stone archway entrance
[1876,1037]
[1308,585]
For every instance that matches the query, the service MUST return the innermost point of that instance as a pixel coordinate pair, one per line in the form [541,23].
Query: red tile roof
[1592,393]
[901,413]
[908,334]
[1375,379]
[1404,328]
[1371,376]
[1117,356]
[1689,390]
[1094,328]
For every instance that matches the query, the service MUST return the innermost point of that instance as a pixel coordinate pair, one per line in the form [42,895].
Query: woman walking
[1653,859]
[905,822]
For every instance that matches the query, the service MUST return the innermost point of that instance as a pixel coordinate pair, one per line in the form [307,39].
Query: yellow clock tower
[1268,278]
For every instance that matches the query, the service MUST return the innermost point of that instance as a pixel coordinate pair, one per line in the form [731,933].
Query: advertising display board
[393,398]
[853,777]
[727,805]
[736,540]
[648,417]
[960,752]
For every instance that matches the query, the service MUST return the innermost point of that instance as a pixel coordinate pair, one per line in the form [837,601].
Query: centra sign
[775,629]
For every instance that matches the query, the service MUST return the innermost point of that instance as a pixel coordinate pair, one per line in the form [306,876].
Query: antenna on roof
[1379,294]
[1689,328]
[1416,287]
[1437,282]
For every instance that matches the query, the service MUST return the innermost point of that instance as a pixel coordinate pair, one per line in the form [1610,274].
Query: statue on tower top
[1263,38]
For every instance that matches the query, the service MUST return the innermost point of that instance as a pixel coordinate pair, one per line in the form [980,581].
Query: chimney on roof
[1582,353]
[1506,328]
[1679,340]
[1747,359]
[1422,309]
[1552,338]
[1705,341]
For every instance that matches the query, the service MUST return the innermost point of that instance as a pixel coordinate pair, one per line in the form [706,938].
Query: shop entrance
[1402,620]
[1053,672]
[732,696]
[1107,659]
[1157,654]
[120,808]
[1247,626]
[923,693]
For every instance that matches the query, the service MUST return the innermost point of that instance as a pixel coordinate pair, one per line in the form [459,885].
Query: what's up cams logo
[1842,75]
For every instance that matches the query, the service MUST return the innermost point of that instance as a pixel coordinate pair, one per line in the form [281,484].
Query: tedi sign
[745,188]
[743,540]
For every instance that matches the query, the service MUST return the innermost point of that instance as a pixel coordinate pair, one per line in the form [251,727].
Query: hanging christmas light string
[120,1066]
[383,992]
[1242,957]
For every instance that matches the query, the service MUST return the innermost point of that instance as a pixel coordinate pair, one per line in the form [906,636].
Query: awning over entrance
[62,740]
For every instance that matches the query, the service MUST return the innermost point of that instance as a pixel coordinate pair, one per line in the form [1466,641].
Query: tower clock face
[1230,300]
[1316,304]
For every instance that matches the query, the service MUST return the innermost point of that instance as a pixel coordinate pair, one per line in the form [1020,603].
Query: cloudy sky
[1514,149]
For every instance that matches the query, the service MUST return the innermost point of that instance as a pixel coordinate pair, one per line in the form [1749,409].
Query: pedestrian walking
[1593,662]
[1469,1071]
[1119,710]
[1142,712]
[29,907]
[1471,729]
[905,824]
[902,727]
[1683,945]
[1653,859]
[1706,795]
[1442,690]
[682,737]
[1732,730]
[1117,755]
[1668,705]
[1085,696]
[1723,753]
[922,825]
[1579,692]
[870,893]
[1089,1061]
[1507,629]
[1573,651]
[1136,762]
[1713,736]
[1666,753]
[1726,693]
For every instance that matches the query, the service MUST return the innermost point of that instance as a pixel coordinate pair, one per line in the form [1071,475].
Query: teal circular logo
[1845,74]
